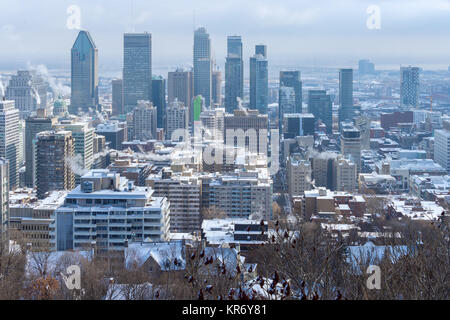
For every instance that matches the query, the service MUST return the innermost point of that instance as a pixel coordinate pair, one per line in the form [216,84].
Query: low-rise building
[108,209]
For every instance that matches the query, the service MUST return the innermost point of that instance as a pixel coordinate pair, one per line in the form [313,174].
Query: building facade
[84,74]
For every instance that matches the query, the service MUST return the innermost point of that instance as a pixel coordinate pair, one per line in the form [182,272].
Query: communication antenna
[133,29]
[193,20]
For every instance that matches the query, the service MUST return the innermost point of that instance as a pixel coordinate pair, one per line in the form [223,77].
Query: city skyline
[406,31]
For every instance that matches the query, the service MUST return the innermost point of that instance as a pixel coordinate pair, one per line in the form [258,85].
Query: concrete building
[216,89]
[247,128]
[363,125]
[134,170]
[298,124]
[144,121]
[181,86]
[298,176]
[234,73]
[53,170]
[323,170]
[33,125]
[442,148]
[117,97]
[183,191]
[177,117]
[84,74]
[32,217]
[83,144]
[28,91]
[403,169]
[137,69]
[346,175]
[351,145]
[9,139]
[213,123]
[202,65]
[115,133]
[109,210]
[242,194]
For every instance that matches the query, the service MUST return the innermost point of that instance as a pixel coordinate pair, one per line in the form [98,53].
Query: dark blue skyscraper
[159,99]
[346,111]
[234,73]
[137,69]
[320,105]
[259,80]
[84,74]
[202,65]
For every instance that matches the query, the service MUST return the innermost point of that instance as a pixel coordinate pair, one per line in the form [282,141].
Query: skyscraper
[202,65]
[351,145]
[28,91]
[346,111]
[9,139]
[216,88]
[117,97]
[144,121]
[181,86]
[84,74]
[177,117]
[409,86]
[53,171]
[259,80]
[365,67]
[292,79]
[83,141]
[137,69]
[320,105]
[261,49]
[234,73]
[159,98]
[33,125]
[298,124]
[240,126]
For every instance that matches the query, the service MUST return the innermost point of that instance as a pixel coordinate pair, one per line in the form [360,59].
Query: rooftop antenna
[193,19]
[133,29]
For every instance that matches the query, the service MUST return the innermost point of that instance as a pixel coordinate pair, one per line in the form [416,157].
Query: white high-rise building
[442,148]
[298,176]
[213,122]
[9,139]
[183,190]
[108,210]
[144,121]
[345,175]
[177,117]
[242,194]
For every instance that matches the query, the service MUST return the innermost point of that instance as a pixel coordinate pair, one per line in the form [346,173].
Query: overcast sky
[297,32]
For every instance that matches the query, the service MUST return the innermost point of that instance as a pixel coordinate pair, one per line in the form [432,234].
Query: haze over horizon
[297,33]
